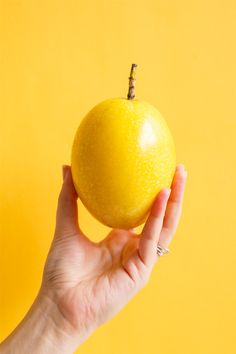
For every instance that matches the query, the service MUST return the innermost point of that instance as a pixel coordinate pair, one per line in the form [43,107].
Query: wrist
[62,330]
[44,330]
[54,327]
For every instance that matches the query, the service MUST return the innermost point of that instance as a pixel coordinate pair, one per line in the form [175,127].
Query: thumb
[67,210]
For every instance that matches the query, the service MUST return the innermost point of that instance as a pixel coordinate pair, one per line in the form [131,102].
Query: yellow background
[60,58]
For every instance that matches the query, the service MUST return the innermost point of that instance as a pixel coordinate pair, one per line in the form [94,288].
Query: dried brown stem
[131,92]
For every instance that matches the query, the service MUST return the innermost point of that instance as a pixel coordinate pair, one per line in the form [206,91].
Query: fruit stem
[131,92]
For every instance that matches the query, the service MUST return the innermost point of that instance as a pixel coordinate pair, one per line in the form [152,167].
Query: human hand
[86,283]
[90,282]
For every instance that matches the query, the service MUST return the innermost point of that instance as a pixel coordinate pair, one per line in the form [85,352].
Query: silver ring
[162,250]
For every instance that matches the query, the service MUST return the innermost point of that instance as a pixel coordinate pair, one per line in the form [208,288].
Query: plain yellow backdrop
[60,58]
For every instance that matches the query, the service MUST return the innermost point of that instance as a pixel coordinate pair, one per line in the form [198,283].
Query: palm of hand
[93,281]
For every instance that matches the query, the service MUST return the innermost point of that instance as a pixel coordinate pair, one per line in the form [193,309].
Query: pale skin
[86,283]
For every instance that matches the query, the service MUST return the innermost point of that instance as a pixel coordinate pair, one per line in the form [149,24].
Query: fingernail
[167,191]
[64,172]
[180,167]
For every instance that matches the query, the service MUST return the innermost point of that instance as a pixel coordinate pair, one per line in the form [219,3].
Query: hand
[86,283]
[90,282]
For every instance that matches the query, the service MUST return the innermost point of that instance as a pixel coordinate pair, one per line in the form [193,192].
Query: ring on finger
[162,250]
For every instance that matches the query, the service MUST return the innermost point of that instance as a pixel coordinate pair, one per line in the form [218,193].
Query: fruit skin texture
[123,154]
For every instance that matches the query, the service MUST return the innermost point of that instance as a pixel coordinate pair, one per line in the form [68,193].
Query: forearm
[43,330]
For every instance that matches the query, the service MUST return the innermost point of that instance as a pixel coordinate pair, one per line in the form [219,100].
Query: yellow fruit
[123,154]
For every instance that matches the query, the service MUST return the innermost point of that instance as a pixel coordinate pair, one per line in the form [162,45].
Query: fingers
[174,206]
[67,210]
[159,227]
[152,228]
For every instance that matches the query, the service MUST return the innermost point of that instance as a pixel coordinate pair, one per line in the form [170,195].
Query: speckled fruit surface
[123,154]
